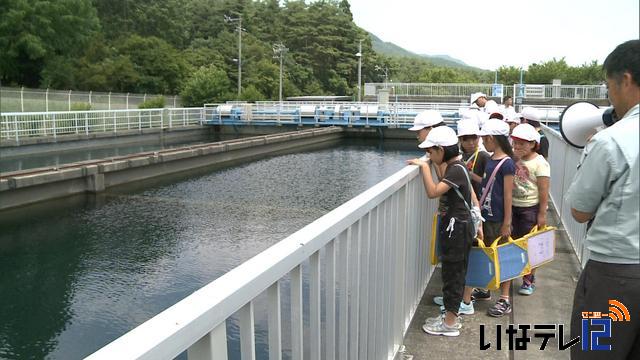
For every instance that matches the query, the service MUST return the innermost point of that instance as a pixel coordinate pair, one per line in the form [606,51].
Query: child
[424,122]
[495,202]
[456,229]
[530,191]
[475,158]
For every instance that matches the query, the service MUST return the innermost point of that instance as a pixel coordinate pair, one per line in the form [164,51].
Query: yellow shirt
[525,182]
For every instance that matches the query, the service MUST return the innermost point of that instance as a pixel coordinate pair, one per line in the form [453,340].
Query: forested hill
[391,49]
[187,47]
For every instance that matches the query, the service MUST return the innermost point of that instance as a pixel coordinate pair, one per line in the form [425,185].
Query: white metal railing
[393,114]
[563,160]
[21,125]
[31,100]
[367,269]
[531,91]
[427,89]
[549,91]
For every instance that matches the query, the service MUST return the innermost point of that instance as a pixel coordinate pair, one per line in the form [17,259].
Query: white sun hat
[425,119]
[468,127]
[440,136]
[526,132]
[476,96]
[494,127]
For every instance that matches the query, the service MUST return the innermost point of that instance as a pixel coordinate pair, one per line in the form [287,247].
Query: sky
[488,33]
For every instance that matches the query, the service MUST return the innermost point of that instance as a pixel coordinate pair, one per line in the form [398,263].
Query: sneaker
[528,285]
[440,328]
[481,295]
[436,319]
[464,309]
[438,300]
[501,308]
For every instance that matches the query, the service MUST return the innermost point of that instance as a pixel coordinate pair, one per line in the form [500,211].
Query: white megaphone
[583,119]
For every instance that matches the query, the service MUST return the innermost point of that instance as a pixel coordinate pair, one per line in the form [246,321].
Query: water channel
[76,274]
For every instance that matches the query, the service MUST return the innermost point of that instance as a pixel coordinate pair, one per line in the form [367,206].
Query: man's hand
[581,217]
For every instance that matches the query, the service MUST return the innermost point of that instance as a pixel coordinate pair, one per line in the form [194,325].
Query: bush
[153,103]
[80,106]
[207,84]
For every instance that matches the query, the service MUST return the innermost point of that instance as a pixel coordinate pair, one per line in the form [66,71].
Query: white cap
[468,127]
[530,113]
[526,132]
[491,107]
[440,136]
[476,96]
[512,118]
[494,127]
[425,119]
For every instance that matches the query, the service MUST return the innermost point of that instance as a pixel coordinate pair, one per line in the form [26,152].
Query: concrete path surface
[550,304]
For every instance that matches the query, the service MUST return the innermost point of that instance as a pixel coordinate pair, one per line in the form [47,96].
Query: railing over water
[29,124]
[367,268]
[528,91]
[563,160]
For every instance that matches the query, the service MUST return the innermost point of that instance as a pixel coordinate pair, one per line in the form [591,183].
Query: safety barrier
[30,124]
[367,267]
[563,160]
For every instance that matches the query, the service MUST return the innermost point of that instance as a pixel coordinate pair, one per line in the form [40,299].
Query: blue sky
[488,33]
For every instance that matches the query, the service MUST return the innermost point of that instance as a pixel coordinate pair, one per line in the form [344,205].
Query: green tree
[508,75]
[160,66]
[32,33]
[207,84]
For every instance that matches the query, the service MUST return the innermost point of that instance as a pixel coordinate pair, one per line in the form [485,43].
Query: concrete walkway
[550,304]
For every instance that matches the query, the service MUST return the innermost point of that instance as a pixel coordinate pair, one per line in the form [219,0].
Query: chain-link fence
[36,100]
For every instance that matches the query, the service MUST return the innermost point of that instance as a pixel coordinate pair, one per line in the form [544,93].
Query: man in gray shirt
[605,192]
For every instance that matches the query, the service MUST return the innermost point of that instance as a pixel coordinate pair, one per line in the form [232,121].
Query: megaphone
[583,119]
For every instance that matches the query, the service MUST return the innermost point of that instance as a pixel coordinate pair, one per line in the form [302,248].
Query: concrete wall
[75,142]
[22,188]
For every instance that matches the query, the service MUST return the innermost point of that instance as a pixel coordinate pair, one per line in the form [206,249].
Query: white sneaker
[440,328]
[436,319]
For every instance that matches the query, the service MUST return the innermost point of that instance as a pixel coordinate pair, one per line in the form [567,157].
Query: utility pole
[385,71]
[279,50]
[239,29]
[359,55]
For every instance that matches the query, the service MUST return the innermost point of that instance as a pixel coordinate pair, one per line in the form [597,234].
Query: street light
[279,50]
[230,19]
[359,55]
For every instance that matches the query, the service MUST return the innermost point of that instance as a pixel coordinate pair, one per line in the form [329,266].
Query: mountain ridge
[391,49]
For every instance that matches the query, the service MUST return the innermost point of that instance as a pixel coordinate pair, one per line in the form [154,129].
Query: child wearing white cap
[456,230]
[496,198]
[472,154]
[532,116]
[424,122]
[530,190]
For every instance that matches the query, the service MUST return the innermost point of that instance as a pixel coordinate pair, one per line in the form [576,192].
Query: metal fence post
[170,118]
[114,123]
[15,126]
[46,100]
[22,99]
[127,105]
[109,100]
[54,126]
[174,100]
[75,116]
[90,97]
[86,123]
[69,100]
